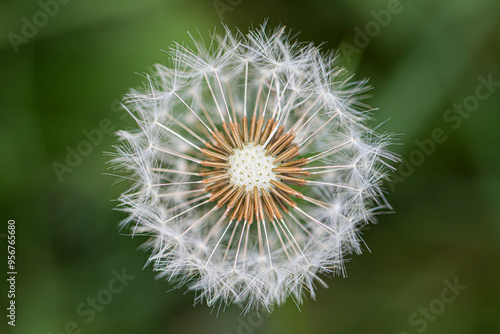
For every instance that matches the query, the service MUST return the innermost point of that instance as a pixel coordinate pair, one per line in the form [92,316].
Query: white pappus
[253,170]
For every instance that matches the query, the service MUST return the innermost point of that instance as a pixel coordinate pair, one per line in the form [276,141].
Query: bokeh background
[68,76]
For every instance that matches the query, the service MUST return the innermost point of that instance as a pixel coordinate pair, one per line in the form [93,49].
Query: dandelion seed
[254,168]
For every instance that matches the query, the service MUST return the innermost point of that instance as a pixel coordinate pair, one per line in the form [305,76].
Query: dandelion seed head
[252,170]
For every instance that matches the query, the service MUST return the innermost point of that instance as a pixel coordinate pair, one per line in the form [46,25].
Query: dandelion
[253,168]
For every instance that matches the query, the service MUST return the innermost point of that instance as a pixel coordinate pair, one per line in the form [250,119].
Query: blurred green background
[66,77]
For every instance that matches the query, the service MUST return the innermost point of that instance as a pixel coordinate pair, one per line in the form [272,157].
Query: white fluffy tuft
[229,261]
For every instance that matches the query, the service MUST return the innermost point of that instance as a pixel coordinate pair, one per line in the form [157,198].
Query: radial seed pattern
[253,168]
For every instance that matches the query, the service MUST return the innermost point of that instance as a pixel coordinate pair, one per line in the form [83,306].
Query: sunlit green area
[435,69]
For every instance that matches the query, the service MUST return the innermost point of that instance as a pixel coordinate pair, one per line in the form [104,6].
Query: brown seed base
[258,203]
